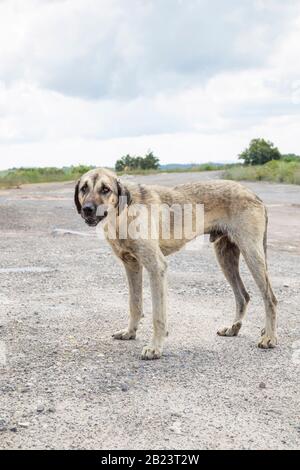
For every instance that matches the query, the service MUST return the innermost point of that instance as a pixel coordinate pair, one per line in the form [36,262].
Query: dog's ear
[124,196]
[76,198]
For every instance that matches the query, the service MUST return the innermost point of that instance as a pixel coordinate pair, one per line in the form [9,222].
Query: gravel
[65,383]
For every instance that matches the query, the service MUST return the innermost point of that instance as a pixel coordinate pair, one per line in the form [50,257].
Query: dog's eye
[84,189]
[105,190]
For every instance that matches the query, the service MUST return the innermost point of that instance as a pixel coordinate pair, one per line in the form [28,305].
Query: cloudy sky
[86,81]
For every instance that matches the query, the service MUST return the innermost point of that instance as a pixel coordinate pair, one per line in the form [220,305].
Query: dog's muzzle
[90,214]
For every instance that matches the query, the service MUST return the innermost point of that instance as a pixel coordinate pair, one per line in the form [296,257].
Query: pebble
[124,388]
[8,388]
[3,424]
[13,429]
[262,385]
[40,408]
[176,427]
[23,425]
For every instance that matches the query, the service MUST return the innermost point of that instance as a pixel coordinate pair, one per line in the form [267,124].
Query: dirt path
[64,383]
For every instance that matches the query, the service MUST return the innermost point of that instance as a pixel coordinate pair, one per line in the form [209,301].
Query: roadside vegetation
[274,171]
[193,168]
[18,176]
[134,165]
[262,161]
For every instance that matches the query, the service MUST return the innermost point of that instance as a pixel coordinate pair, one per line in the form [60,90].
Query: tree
[149,162]
[290,157]
[127,163]
[259,152]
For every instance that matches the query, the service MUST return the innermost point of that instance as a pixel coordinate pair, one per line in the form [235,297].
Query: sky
[87,81]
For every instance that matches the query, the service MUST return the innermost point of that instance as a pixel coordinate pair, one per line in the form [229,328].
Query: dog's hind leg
[228,255]
[255,258]
[135,283]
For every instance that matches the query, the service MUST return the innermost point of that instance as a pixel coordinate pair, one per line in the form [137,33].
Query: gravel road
[65,383]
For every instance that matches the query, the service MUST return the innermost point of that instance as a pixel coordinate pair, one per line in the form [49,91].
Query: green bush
[259,152]
[129,163]
[18,176]
[290,157]
[278,171]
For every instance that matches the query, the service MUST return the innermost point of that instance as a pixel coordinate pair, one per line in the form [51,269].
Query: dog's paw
[267,342]
[151,352]
[124,335]
[231,331]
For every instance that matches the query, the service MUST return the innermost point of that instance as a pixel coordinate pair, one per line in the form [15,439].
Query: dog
[234,217]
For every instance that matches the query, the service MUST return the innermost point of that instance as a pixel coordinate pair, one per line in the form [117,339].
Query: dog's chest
[122,251]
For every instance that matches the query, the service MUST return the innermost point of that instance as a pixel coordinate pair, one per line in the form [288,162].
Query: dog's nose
[89,209]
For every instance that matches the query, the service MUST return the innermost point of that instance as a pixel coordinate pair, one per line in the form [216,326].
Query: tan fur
[234,217]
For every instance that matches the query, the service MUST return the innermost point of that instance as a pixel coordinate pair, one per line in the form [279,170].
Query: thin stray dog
[234,217]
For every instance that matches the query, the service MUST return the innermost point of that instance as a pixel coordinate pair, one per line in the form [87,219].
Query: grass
[277,171]
[189,169]
[18,176]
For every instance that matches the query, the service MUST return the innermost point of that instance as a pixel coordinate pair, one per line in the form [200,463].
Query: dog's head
[97,192]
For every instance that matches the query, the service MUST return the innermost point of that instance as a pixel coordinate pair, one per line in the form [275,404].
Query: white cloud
[84,80]
[109,48]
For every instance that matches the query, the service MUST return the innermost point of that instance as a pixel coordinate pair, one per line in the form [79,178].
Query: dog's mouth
[94,221]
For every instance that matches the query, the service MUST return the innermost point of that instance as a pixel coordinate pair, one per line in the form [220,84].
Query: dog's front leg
[158,281]
[135,283]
